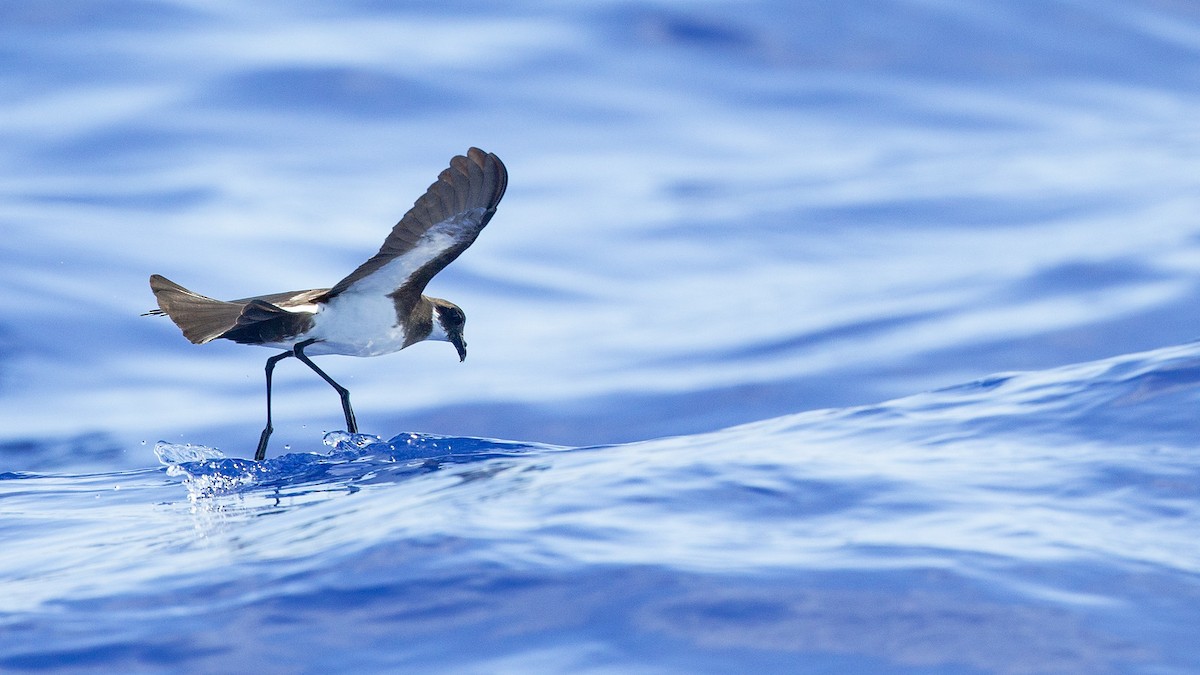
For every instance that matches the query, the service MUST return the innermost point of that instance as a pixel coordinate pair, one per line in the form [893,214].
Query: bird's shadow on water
[352,460]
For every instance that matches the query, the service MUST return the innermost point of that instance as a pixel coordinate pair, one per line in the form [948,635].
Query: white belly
[356,324]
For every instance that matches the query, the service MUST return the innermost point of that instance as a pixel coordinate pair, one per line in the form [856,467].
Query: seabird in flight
[379,308]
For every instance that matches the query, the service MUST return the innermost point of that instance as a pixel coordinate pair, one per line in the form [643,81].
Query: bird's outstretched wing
[435,231]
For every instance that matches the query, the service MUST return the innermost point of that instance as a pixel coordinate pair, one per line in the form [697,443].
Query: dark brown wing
[435,231]
[263,323]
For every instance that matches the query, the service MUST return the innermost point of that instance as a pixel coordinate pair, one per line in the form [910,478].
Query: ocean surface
[809,338]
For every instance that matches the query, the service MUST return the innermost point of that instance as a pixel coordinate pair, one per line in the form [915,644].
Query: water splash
[350,458]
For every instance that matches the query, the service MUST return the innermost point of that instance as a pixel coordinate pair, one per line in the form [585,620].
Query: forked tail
[202,319]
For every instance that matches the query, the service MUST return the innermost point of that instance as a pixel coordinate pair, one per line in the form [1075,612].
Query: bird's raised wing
[435,231]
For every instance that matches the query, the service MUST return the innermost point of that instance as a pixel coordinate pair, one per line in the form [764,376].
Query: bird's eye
[452,316]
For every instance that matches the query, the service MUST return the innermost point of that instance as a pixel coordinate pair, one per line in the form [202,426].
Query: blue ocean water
[809,337]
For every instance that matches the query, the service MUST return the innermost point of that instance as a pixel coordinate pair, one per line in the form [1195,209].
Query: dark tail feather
[201,319]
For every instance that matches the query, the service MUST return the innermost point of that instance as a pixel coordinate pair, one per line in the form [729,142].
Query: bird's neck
[418,320]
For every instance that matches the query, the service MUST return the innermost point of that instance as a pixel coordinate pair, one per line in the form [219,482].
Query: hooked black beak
[460,344]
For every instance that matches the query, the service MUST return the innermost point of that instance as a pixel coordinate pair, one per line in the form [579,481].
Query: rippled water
[731,230]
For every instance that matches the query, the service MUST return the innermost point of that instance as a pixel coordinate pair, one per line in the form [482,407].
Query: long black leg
[343,392]
[261,453]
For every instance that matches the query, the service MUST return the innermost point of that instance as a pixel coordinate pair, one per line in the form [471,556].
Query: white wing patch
[362,321]
[433,243]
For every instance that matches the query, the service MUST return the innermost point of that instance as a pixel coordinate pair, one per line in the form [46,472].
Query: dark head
[448,322]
